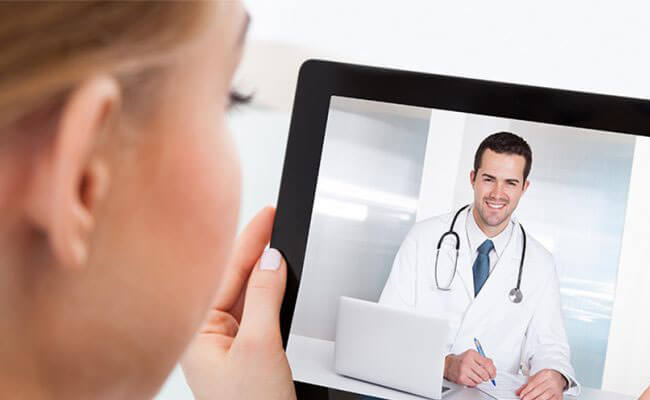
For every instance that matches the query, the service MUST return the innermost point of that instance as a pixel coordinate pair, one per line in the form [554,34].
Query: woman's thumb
[264,295]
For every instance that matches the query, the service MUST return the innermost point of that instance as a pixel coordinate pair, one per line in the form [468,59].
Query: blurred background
[586,45]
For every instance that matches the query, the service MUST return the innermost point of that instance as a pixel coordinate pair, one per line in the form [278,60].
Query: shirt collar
[477,237]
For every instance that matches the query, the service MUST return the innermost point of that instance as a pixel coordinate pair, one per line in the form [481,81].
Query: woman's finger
[247,250]
[220,323]
[261,318]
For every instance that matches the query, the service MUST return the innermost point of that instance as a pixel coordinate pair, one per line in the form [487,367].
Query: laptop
[391,347]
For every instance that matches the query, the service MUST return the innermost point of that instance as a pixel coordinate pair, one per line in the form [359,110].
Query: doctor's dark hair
[505,143]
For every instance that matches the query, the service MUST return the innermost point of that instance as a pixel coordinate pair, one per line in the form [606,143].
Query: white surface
[506,386]
[364,327]
[312,361]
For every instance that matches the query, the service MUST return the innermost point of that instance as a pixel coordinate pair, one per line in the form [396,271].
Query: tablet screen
[387,167]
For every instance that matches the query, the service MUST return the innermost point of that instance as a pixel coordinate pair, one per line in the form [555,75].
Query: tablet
[373,151]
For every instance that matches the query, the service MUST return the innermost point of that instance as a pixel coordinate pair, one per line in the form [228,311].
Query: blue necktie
[481,266]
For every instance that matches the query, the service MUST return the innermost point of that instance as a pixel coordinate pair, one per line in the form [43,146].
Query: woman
[119,195]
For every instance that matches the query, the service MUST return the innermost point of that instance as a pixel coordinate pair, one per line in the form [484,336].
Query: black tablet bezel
[319,80]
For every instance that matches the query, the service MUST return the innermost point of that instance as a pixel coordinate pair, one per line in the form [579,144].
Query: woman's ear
[69,178]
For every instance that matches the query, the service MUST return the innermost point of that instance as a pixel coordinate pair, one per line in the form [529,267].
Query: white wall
[365,203]
[437,193]
[588,45]
[627,367]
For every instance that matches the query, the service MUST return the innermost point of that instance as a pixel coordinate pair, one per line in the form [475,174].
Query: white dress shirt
[476,238]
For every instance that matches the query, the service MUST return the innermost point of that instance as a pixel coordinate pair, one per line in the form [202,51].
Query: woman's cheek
[214,207]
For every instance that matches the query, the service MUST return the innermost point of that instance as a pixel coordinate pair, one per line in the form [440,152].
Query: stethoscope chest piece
[515,295]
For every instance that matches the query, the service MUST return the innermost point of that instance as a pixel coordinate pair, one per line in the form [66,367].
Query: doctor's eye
[236,98]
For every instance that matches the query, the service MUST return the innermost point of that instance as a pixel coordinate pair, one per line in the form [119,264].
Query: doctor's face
[498,185]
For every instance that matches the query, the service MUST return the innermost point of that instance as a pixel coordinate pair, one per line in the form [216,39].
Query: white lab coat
[530,333]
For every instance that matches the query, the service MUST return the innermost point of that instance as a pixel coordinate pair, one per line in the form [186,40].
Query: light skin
[645,395]
[498,185]
[117,242]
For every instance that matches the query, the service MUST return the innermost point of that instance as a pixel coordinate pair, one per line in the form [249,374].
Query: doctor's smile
[495,206]
[496,210]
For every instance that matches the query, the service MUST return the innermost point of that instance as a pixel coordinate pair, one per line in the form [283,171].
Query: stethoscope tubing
[515,294]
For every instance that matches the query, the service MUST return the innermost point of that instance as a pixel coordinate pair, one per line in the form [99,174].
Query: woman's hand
[238,354]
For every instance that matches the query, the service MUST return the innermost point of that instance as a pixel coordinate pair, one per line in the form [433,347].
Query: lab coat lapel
[503,278]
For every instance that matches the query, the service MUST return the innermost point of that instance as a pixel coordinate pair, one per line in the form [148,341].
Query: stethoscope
[515,294]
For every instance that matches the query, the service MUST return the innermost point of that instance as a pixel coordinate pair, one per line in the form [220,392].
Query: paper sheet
[507,384]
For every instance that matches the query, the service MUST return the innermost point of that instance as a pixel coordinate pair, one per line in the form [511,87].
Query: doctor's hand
[237,353]
[545,385]
[469,368]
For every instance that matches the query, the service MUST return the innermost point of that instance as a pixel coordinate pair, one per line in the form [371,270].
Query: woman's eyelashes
[237,99]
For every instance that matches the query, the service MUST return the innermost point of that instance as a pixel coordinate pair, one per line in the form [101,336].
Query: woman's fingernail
[270,260]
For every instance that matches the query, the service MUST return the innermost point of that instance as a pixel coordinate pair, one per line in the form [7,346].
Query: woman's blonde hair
[48,47]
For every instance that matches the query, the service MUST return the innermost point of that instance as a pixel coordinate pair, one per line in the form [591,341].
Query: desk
[312,361]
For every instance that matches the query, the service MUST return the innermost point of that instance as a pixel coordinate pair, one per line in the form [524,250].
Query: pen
[480,351]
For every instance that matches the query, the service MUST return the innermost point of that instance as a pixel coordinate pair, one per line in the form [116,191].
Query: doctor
[528,334]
